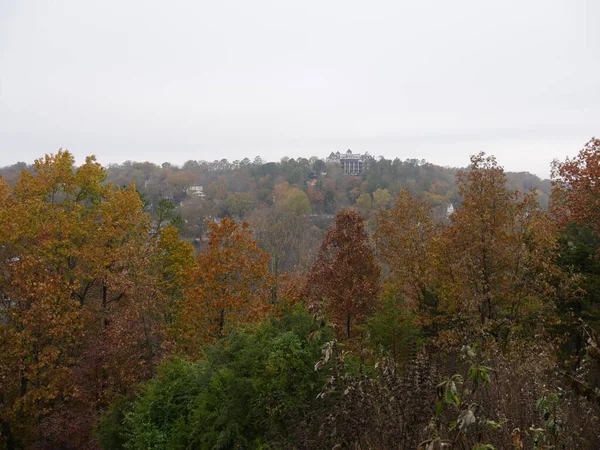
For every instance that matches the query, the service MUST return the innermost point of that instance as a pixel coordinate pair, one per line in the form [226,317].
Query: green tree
[364,203]
[393,330]
[381,198]
[245,394]
[291,200]
[239,204]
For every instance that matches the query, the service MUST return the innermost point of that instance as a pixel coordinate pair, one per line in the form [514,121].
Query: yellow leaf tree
[84,285]
[496,257]
[404,236]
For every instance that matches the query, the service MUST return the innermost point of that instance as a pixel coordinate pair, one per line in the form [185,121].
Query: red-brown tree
[344,279]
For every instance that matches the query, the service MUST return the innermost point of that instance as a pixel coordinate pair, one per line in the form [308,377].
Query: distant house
[449,210]
[196,191]
[352,164]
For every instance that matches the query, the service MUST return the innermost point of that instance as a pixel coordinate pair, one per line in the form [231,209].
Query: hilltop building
[352,164]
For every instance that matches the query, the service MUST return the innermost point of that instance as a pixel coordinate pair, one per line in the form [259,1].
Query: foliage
[496,258]
[387,409]
[80,294]
[243,395]
[404,239]
[576,191]
[454,394]
[96,294]
[290,238]
[574,204]
[394,332]
[229,286]
[165,213]
[345,276]
[239,204]
[291,200]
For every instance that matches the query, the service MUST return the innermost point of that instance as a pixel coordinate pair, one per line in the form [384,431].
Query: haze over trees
[290,305]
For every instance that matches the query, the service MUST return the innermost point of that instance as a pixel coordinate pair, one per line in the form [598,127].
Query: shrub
[244,394]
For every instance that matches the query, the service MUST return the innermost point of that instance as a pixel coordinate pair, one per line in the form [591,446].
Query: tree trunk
[348,316]
[221,322]
[104,322]
[7,433]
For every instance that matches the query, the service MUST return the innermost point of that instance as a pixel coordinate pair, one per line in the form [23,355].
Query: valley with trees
[299,304]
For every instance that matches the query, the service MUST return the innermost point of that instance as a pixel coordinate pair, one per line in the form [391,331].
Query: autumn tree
[284,231]
[345,276]
[136,334]
[217,190]
[79,292]
[575,202]
[39,335]
[404,237]
[230,285]
[171,264]
[381,198]
[576,187]
[41,320]
[290,199]
[316,197]
[44,221]
[496,257]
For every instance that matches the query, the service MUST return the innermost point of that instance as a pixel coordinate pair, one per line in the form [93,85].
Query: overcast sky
[211,79]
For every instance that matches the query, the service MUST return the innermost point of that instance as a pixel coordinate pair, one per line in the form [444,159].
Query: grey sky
[178,80]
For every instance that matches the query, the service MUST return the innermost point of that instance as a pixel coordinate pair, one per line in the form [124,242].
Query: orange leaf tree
[42,319]
[83,286]
[230,286]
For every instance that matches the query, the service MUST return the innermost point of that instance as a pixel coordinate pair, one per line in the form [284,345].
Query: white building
[195,191]
[352,164]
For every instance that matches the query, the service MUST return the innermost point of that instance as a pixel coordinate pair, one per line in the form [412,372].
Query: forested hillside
[297,197]
[290,305]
